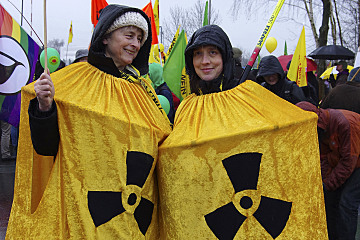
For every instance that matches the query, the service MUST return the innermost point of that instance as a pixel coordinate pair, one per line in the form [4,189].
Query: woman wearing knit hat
[102,127]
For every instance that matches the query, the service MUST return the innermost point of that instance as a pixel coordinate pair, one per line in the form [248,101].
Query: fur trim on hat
[130,19]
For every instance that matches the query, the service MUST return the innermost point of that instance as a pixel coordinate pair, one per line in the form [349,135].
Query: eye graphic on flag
[273,214]
[106,205]
[14,66]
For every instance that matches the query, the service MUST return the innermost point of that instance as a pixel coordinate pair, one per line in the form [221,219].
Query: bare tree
[190,19]
[350,23]
[309,7]
[56,43]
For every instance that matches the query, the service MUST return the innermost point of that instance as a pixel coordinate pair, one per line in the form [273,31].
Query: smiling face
[123,45]
[208,63]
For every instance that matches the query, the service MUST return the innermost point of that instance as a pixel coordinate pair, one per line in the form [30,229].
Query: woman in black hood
[209,61]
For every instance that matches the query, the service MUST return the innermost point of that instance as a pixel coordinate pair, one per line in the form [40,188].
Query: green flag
[206,22]
[285,49]
[174,70]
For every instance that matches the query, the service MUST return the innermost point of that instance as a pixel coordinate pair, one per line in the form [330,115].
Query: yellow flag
[173,41]
[258,181]
[298,66]
[156,15]
[70,33]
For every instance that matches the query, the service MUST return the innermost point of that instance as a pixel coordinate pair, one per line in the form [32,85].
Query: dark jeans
[342,208]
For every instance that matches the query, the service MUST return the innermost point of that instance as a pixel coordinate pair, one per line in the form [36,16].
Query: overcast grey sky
[244,32]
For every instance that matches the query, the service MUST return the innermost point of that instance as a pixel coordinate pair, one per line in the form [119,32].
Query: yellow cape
[110,130]
[241,164]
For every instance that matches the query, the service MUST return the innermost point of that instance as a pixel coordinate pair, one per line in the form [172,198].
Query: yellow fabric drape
[101,118]
[241,126]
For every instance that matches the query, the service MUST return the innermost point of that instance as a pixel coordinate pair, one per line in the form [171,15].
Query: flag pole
[22,11]
[261,41]
[67,52]
[31,17]
[209,13]
[45,39]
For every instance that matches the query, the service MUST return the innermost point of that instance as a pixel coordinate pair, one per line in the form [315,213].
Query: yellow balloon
[271,44]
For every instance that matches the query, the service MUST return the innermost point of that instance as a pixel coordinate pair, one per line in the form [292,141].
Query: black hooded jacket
[43,125]
[211,35]
[284,88]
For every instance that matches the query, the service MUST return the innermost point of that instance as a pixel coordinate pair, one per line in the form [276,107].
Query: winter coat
[342,77]
[40,122]
[211,35]
[344,96]
[284,88]
[340,144]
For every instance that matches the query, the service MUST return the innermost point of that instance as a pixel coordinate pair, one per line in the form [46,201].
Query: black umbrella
[332,52]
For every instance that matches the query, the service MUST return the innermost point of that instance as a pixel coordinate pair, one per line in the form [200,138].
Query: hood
[155,74]
[106,19]
[323,114]
[269,65]
[212,35]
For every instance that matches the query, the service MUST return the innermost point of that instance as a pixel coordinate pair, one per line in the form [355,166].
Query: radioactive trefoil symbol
[273,214]
[105,205]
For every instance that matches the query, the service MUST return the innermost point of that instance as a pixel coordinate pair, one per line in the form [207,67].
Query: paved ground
[7,175]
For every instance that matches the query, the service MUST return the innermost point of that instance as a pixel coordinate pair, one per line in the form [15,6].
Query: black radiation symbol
[105,205]
[272,214]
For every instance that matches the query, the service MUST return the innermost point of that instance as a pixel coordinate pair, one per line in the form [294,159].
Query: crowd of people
[120,48]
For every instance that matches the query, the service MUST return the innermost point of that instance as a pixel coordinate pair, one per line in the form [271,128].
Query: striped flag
[18,56]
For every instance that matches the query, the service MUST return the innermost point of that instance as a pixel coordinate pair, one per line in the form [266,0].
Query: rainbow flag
[18,56]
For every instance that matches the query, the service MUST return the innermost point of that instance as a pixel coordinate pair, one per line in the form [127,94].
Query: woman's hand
[45,91]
